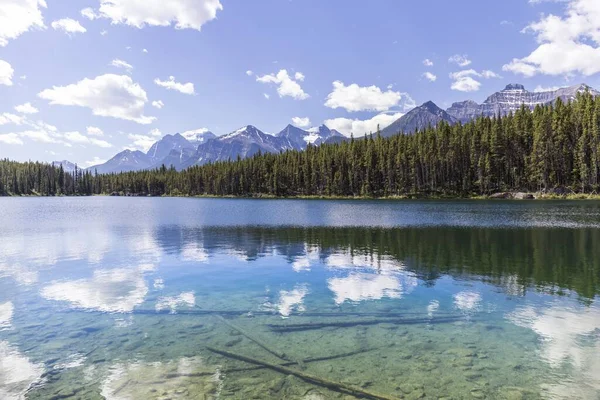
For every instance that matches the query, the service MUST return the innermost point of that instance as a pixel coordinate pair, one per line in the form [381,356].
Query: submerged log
[347,324]
[332,385]
[286,364]
[279,354]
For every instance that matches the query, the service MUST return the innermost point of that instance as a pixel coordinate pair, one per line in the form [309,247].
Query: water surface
[121,298]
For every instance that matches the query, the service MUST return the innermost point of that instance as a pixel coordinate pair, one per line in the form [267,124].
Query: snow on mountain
[127,160]
[198,136]
[168,143]
[510,100]
[68,166]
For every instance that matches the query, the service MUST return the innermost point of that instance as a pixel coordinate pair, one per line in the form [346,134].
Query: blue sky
[350,64]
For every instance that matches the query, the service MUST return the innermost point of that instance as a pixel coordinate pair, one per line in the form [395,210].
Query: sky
[83,80]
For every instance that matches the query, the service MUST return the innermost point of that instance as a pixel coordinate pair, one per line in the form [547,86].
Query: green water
[160,298]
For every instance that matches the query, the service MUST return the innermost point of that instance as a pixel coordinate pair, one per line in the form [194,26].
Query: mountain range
[201,147]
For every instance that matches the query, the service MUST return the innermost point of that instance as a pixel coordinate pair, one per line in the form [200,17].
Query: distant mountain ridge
[510,100]
[418,118]
[202,146]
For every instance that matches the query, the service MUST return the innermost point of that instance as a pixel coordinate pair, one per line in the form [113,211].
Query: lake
[174,298]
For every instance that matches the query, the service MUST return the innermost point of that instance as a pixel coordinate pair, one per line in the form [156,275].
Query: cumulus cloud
[249,73]
[358,98]
[460,60]
[140,142]
[94,131]
[171,84]
[158,104]
[144,50]
[10,138]
[183,14]
[464,81]
[359,127]
[6,73]
[429,76]
[568,44]
[106,95]
[95,161]
[68,26]
[89,13]
[76,137]
[267,96]
[8,118]
[427,62]
[121,64]
[286,85]
[301,122]
[26,108]
[18,17]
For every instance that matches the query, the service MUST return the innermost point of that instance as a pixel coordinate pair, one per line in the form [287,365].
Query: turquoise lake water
[158,298]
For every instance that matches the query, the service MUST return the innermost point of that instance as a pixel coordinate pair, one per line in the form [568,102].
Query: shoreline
[412,197]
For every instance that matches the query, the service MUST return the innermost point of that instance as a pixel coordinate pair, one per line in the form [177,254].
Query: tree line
[553,147]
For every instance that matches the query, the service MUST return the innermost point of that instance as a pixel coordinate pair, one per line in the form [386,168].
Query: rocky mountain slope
[510,100]
[418,118]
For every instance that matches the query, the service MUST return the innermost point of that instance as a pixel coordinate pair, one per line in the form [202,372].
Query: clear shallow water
[120,298]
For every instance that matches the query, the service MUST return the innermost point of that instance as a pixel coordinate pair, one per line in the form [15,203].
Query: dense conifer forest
[555,148]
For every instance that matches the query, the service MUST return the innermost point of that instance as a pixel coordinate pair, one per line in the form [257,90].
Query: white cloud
[429,76]
[155,132]
[8,118]
[18,373]
[144,50]
[461,60]
[540,88]
[18,17]
[568,44]
[292,300]
[103,33]
[249,73]
[106,95]
[286,85]
[356,98]
[427,62]
[185,299]
[76,137]
[6,73]
[359,127]
[95,161]
[171,84]
[487,74]
[299,76]
[26,108]
[184,14]
[158,104]
[140,142]
[10,138]
[301,122]
[6,314]
[464,81]
[39,135]
[267,96]
[466,84]
[121,64]
[68,25]
[89,13]
[94,131]
[116,290]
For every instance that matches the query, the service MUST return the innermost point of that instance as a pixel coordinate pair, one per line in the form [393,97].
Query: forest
[552,149]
